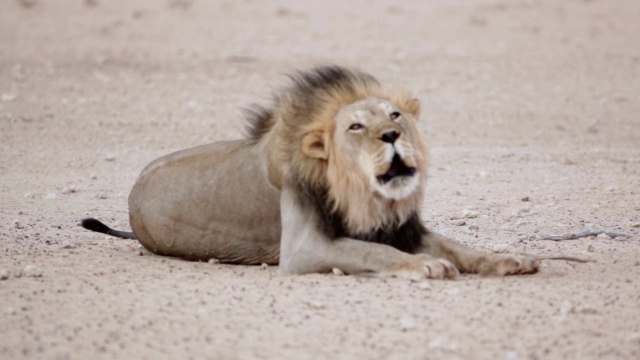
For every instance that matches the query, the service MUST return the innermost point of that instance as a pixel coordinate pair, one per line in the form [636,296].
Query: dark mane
[309,91]
[260,120]
[405,237]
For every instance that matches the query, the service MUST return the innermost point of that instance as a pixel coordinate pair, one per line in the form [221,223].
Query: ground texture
[531,110]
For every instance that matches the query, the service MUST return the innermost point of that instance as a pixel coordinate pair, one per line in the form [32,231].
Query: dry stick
[563,257]
[571,236]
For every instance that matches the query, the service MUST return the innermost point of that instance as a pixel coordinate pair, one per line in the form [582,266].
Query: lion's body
[192,204]
[331,176]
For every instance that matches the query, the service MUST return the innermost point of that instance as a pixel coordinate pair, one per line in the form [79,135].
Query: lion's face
[375,161]
[376,138]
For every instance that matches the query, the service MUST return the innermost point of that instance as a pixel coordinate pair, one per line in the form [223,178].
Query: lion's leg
[305,248]
[469,260]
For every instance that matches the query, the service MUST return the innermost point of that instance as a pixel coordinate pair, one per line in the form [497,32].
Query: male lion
[331,176]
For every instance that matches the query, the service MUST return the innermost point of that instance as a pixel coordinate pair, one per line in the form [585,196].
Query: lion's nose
[390,136]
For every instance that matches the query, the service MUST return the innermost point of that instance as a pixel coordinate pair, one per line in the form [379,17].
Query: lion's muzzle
[396,168]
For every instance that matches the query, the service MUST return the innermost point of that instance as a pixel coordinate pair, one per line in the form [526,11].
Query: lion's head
[339,131]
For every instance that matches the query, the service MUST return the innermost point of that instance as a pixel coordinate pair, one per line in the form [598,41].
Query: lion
[331,175]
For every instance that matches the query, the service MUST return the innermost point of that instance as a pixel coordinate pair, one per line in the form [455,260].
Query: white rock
[50,196]
[512,355]
[69,189]
[336,271]
[4,274]
[604,236]
[9,97]
[264,266]
[452,291]
[18,224]
[110,157]
[407,323]
[315,304]
[213,261]
[32,271]
[458,222]
[424,285]
[443,343]
[469,214]
[634,338]
[501,248]
[565,309]
[9,310]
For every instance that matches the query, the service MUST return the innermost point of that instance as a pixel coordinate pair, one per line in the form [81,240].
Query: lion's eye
[394,115]
[356,126]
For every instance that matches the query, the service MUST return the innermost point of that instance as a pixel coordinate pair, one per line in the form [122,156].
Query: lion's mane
[310,104]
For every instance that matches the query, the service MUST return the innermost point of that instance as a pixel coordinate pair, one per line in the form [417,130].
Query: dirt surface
[531,109]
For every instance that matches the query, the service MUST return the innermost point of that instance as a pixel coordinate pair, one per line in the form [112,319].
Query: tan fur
[245,201]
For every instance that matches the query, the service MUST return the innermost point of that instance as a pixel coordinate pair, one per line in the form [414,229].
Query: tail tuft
[97,226]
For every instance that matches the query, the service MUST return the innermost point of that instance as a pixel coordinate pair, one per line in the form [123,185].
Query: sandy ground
[531,109]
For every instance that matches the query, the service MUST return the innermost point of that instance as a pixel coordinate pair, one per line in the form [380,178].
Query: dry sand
[533,100]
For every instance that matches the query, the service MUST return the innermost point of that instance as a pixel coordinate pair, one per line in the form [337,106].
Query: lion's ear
[314,145]
[413,107]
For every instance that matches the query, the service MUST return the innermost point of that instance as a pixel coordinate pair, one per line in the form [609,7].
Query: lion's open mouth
[397,168]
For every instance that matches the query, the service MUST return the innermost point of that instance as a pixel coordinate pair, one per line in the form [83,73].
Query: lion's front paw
[426,267]
[506,264]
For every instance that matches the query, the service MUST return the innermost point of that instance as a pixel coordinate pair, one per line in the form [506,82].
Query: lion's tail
[95,225]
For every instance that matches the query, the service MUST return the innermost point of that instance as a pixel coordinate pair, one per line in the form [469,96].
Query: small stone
[69,189]
[93,177]
[590,248]
[264,266]
[18,224]
[636,225]
[9,310]
[634,338]
[407,323]
[565,309]
[443,343]
[474,227]
[424,285]
[102,196]
[452,291]
[604,236]
[525,199]
[32,271]
[213,261]
[501,248]
[50,196]
[512,355]
[110,157]
[469,214]
[458,222]
[4,274]
[8,97]
[315,304]
[336,271]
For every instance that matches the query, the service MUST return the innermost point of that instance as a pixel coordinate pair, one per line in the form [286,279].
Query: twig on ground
[577,235]
[566,258]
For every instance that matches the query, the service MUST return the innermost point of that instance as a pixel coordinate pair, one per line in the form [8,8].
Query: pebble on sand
[4,274]
[469,214]
[32,271]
